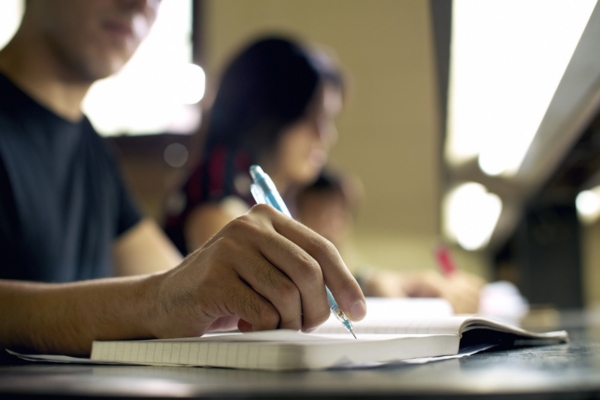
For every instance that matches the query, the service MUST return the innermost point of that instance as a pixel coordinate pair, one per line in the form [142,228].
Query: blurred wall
[389,131]
[591,264]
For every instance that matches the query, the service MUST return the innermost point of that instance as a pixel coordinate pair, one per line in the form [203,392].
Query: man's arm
[144,249]
[262,271]
[65,318]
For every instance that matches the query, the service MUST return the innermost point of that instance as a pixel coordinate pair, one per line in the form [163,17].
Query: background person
[66,220]
[275,106]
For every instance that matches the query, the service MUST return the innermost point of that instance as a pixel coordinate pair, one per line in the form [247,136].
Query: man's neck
[34,74]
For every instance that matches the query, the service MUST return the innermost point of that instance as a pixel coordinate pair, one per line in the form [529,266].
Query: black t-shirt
[62,202]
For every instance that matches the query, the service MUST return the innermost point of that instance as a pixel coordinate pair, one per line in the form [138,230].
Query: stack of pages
[398,330]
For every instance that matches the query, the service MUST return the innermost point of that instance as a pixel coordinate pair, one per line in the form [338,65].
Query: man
[65,217]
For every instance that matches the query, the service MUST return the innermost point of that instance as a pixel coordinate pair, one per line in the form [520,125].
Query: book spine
[201,354]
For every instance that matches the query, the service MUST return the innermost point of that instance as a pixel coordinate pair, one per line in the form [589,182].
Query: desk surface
[560,371]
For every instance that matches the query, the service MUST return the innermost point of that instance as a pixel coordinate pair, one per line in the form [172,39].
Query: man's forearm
[66,318]
[262,271]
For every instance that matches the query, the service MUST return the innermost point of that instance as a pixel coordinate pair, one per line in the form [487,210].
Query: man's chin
[101,67]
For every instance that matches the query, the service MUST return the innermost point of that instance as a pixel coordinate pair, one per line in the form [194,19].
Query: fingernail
[358,310]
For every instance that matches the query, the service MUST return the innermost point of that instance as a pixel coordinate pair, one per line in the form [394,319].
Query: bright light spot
[190,84]
[588,205]
[152,92]
[508,57]
[176,155]
[470,215]
[587,202]
[11,12]
[492,166]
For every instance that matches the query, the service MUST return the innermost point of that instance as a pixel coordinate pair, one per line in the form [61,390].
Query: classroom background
[401,118]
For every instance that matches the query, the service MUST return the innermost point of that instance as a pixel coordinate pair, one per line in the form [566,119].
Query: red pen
[444,259]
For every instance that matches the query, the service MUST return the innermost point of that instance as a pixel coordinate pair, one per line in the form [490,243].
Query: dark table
[569,371]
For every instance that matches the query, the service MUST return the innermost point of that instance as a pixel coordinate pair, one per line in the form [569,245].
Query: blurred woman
[275,107]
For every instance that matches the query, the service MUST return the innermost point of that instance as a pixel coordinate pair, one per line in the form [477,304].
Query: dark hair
[265,88]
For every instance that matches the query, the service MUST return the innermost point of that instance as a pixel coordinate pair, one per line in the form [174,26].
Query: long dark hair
[264,89]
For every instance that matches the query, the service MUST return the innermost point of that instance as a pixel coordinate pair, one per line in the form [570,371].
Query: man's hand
[263,270]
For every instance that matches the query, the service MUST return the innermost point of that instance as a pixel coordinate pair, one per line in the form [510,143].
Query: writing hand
[261,271]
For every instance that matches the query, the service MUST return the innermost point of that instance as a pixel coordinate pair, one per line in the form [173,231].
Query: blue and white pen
[264,192]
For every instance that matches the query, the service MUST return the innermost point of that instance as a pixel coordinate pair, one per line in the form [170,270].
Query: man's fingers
[293,282]
[278,269]
[313,253]
[275,287]
[249,306]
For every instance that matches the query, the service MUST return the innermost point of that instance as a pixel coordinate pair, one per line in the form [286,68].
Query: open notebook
[387,335]
[282,350]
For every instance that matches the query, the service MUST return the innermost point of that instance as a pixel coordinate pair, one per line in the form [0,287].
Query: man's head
[87,40]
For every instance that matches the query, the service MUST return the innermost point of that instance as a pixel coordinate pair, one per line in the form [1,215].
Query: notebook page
[449,325]
[383,314]
[476,322]
[279,335]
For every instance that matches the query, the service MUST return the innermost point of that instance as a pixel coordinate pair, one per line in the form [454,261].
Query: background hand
[460,289]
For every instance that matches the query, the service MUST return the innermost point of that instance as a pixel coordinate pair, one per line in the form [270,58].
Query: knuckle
[310,270]
[269,318]
[288,293]
[329,249]
[291,323]
[324,247]
[239,225]
[322,315]
[272,240]
[263,314]
[263,273]
[224,244]
[262,209]
[318,317]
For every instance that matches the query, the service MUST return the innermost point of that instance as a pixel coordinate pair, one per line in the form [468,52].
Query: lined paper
[262,350]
